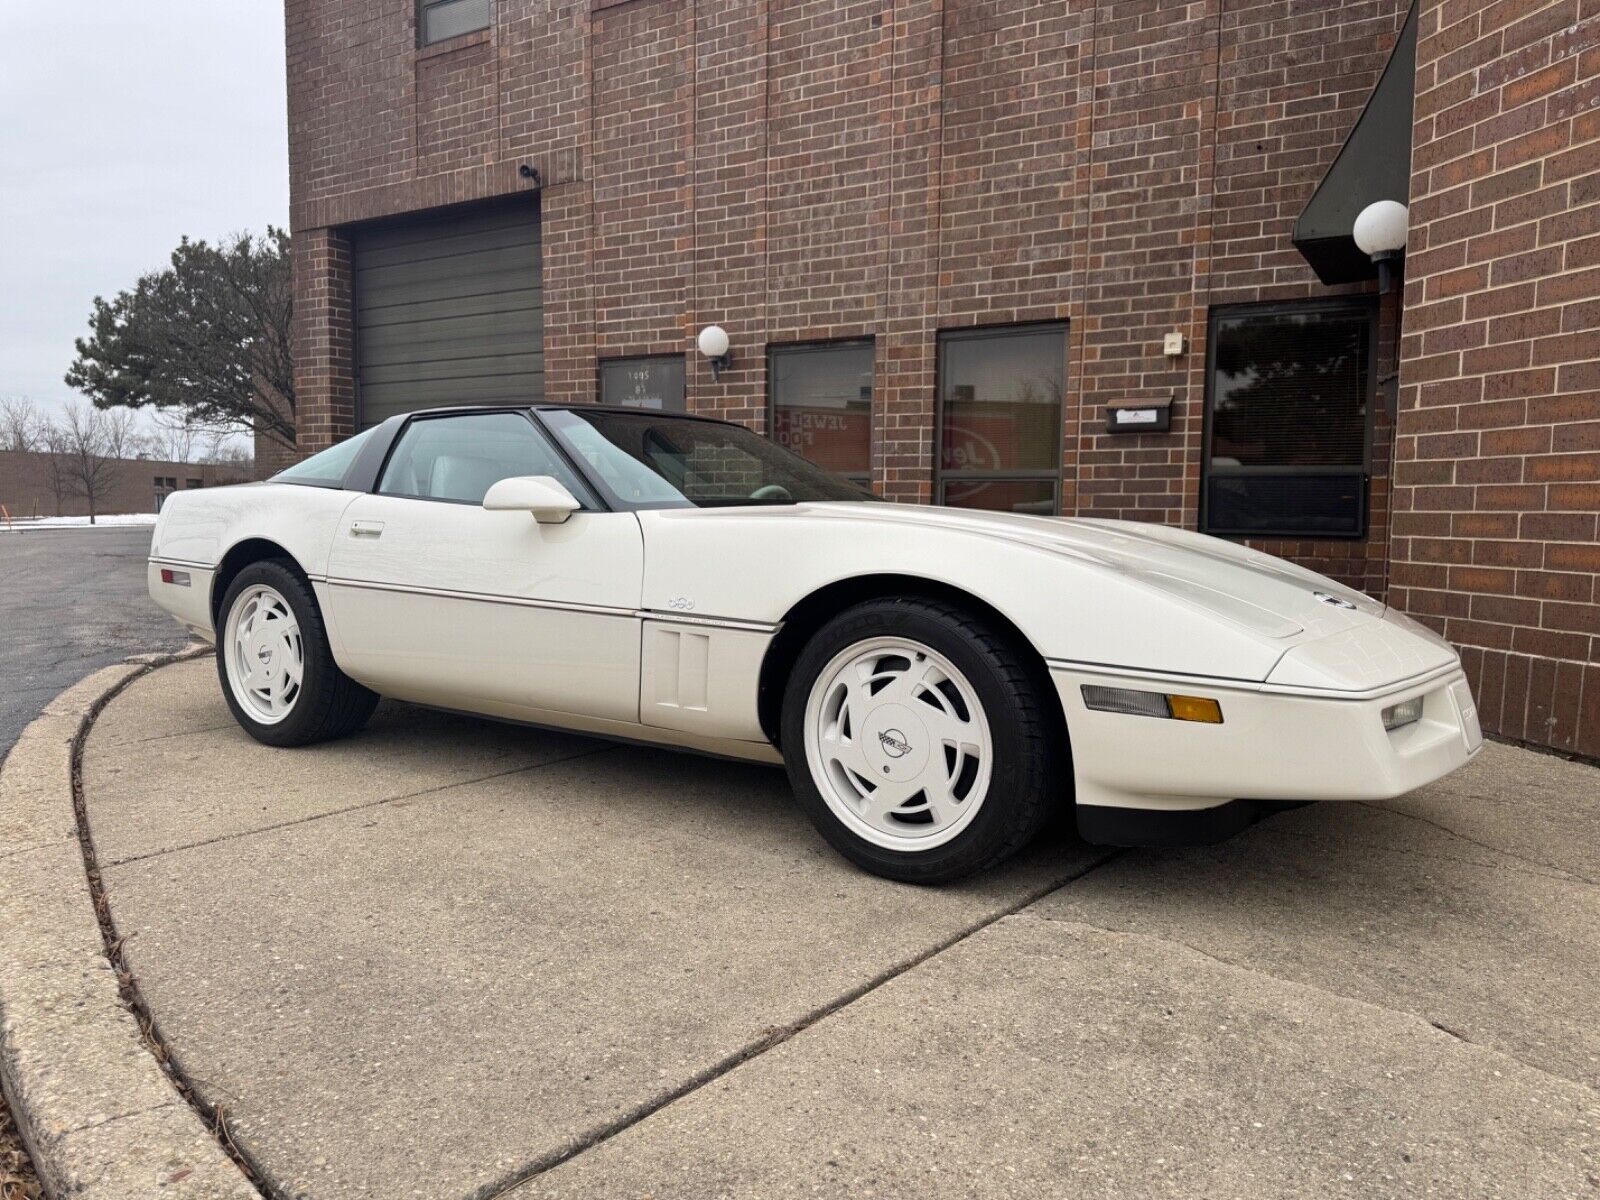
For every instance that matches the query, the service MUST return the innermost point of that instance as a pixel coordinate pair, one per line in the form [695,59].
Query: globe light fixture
[713,343]
[1380,234]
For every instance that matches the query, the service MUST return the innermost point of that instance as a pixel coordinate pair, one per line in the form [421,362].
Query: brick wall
[324,341]
[27,487]
[642,207]
[799,170]
[1497,490]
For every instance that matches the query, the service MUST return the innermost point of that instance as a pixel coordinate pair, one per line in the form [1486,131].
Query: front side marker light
[1407,712]
[178,578]
[1135,703]
[1195,708]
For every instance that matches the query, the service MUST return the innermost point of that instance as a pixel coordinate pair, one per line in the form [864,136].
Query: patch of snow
[107,520]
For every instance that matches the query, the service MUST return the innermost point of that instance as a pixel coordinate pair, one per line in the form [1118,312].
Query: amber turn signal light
[1195,708]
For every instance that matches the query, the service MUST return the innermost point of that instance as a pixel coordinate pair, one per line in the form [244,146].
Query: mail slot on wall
[1139,416]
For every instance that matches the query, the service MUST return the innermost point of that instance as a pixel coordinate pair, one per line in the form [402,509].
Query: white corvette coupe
[938,682]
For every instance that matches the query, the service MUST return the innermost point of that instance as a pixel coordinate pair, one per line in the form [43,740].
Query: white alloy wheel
[264,654]
[898,744]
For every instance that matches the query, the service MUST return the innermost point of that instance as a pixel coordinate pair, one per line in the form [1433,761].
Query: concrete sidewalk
[447,958]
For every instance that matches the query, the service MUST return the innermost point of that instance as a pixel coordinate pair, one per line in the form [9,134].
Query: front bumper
[1273,743]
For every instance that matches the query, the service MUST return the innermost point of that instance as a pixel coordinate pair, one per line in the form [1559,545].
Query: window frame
[667,356]
[941,475]
[1357,303]
[863,478]
[421,14]
[586,496]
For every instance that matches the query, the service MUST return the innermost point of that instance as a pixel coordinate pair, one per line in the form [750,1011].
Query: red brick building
[948,239]
[35,483]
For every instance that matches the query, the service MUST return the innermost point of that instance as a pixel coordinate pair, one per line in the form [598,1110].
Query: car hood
[1266,595]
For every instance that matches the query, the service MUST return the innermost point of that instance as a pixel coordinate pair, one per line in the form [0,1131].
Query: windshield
[664,462]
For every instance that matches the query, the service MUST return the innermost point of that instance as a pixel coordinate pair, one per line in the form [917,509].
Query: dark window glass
[442,19]
[1288,409]
[822,404]
[676,462]
[1000,393]
[460,458]
[655,383]
[1034,496]
[194,483]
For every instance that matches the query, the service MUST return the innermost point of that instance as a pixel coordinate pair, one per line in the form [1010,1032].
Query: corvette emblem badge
[894,743]
[1336,601]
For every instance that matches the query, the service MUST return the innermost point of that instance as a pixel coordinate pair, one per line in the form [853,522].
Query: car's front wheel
[917,742]
[276,668]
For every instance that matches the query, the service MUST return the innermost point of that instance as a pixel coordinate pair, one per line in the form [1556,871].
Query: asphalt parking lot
[448,958]
[71,601]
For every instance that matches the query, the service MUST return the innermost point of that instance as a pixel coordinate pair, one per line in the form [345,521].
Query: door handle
[366,528]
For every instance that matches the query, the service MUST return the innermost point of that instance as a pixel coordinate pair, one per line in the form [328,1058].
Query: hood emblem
[894,743]
[1336,601]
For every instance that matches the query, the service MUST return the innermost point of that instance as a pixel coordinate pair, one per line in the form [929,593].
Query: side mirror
[546,497]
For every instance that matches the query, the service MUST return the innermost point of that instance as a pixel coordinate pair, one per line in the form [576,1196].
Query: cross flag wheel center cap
[896,743]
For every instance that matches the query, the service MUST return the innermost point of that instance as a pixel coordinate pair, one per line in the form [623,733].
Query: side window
[326,469]
[459,458]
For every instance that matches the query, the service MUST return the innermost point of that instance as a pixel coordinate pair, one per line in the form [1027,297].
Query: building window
[655,382]
[822,404]
[441,20]
[193,483]
[1288,419]
[1000,418]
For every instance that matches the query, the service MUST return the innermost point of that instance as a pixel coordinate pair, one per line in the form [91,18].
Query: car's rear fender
[210,535]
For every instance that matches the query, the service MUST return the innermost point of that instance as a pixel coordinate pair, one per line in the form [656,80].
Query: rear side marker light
[1407,712]
[1135,703]
[178,578]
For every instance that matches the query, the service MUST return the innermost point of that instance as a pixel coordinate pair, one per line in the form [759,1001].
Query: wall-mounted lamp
[1380,233]
[713,343]
[531,174]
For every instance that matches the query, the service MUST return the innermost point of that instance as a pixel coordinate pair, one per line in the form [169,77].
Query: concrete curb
[99,1115]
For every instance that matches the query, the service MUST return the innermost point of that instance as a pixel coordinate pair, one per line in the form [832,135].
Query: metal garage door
[449,311]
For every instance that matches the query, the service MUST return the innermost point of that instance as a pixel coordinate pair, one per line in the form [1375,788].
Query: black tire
[1026,784]
[330,704]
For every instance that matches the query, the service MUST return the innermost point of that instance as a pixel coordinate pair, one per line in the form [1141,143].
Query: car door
[436,600]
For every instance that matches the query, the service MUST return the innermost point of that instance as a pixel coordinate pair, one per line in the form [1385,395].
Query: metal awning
[1373,164]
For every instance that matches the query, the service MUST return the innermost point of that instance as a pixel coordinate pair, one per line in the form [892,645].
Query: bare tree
[87,462]
[176,436]
[227,451]
[21,425]
[120,436]
[53,441]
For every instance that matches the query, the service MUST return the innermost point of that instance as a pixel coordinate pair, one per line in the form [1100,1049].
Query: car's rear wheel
[277,670]
[916,741]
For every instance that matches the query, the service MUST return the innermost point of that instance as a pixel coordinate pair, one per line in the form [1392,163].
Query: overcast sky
[125,124]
